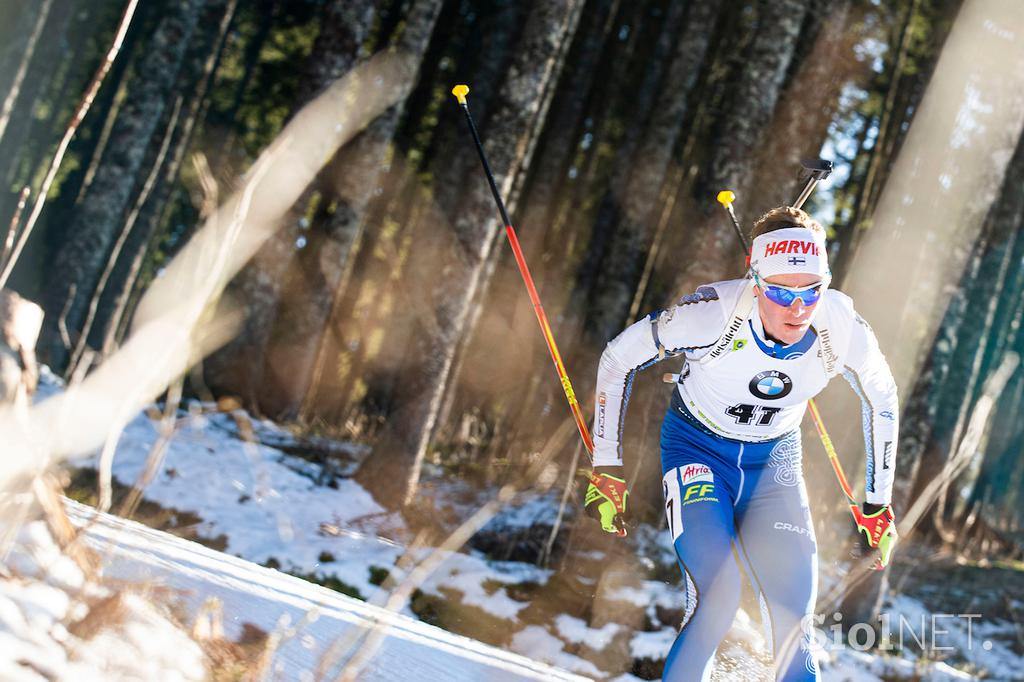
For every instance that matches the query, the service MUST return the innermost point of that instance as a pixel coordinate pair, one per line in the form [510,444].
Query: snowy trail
[263,597]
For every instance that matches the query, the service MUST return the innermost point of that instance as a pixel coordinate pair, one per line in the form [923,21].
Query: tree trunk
[748,111]
[32,32]
[127,229]
[545,188]
[633,231]
[98,219]
[807,107]
[325,264]
[392,472]
[238,366]
[570,243]
[648,72]
[477,305]
[968,324]
[201,64]
[253,47]
[368,309]
[868,193]
[108,101]
[949,217]
[992,289]
[37,79]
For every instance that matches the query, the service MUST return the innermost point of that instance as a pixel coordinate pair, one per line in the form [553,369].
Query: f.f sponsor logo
[701,491]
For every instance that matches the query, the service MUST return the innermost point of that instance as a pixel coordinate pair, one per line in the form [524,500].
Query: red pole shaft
[542,318]
[833,456]
[460,92]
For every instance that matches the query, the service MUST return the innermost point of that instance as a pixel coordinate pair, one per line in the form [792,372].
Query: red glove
[606,498]
[876,526]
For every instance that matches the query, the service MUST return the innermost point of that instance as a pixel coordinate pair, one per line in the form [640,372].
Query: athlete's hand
[606,498]
[876,528]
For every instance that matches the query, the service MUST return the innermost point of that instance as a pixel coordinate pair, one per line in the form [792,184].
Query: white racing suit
[731,455]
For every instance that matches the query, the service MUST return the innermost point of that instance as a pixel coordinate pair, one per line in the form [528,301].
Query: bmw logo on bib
[771,385]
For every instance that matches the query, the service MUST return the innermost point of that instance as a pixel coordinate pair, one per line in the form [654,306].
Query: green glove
[876,526]
[606,498]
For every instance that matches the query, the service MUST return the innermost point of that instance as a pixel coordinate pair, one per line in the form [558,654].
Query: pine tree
[99,218]
[392,471]
[324,266]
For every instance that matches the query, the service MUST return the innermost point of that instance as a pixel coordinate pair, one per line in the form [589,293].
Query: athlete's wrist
[871,509]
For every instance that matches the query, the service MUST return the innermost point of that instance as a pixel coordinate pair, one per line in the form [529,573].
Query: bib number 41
[750,414]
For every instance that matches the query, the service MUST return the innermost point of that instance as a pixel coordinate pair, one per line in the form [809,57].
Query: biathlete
[756,350]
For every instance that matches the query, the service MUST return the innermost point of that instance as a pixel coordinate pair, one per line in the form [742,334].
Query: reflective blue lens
[785,297]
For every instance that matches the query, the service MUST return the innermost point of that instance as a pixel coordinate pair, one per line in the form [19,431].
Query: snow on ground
[471,575]
[537,642]
[652,645]
[55,624]
[856,666]
[270,509]
[273,508]
[263,502]
[964,634]
[575,630]
[312,624]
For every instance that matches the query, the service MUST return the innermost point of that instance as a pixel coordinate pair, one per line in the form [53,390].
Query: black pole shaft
[487,166]
[819,170]
[806,193]
[739,231]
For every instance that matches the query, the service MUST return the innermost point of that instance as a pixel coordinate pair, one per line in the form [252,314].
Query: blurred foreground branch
[177,324]
[359,650]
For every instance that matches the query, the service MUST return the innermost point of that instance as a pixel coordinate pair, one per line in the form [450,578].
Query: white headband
[789,251]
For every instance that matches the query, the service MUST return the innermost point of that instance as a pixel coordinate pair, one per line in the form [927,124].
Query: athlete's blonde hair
[782,217]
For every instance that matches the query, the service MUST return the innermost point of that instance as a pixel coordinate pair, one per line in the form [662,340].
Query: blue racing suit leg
[723,496]
[775,536]
[701,520]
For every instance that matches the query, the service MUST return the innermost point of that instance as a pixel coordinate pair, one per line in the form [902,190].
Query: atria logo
[691,473]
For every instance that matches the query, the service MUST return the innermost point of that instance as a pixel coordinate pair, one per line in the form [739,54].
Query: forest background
[385,308]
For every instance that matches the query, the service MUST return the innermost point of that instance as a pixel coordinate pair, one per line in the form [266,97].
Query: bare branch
[12,229]
[76,121]
[126,230]
[177,323]
[19,78]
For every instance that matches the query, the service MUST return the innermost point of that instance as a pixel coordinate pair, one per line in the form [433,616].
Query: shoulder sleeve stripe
[654,333]
[627,390]
[867,416]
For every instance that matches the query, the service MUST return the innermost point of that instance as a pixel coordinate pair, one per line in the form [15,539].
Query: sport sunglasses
[784,296]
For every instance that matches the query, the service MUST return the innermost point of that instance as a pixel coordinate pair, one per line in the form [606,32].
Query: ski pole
[725,198]
[833,456]
[820,170]
[460,92]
